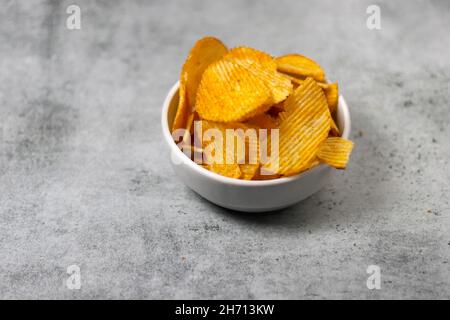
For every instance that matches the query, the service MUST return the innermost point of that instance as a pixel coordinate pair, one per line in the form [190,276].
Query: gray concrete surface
[85,177]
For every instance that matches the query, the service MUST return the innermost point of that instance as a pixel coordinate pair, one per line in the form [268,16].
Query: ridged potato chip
[230,92]
[205,51]
[300,65]
[304,126]
[263,66]
[295,81]
[248,56]
[334,128]
[332,94]
[243,84]
[331,91]
[183,110]
[335,151]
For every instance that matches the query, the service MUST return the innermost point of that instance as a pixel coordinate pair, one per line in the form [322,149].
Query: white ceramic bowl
[243,195]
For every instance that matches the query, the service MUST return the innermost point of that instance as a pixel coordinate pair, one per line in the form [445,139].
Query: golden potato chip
[263,66]
[295,81]
[304,126]
[189,122]
[332,93]
[204,52]
[334,128]
[229,92]
[330,89]
[300,65]
[335,151]
[183,110]
[243,84]
[248,56]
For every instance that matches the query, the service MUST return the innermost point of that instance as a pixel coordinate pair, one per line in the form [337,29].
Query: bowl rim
[245,183]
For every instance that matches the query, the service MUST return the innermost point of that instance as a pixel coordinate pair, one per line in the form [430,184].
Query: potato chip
[332,93]
[229,92]
[334,128]
[248,56]
[189,122]
[183,110]
[264,66]
[300,65]
[295,81]
[304,126]
[204,52]
[335,151]
[243,84]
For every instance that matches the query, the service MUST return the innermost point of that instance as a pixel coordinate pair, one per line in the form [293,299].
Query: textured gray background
[85,176]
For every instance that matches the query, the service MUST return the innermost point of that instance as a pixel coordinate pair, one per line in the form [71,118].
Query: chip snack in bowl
[251,116]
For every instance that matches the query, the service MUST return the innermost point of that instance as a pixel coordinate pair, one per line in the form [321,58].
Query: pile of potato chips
[252,93]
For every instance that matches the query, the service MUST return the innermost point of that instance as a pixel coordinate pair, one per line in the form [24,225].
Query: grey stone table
[85,177]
